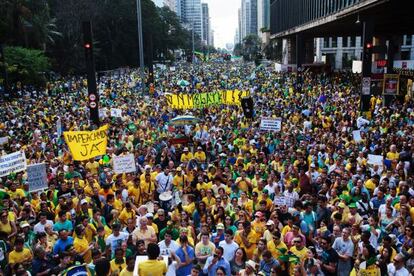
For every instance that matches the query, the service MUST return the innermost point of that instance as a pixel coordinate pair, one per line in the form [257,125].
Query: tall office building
[263,15]
[211,38]
[248,16]
[206,23]
[189,12]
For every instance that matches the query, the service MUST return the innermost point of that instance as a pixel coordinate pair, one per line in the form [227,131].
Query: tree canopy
[54,27]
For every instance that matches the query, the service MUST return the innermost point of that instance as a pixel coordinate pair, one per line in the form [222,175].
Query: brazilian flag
[77,270]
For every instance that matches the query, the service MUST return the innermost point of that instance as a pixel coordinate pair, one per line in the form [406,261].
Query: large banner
[124,164]
[202,100]
[12,163]
[37,177]
[84,145]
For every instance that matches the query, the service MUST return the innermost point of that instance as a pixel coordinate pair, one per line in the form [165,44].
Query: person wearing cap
[353,216]
[186,156]
[259,224]
[250,270]
[180,179]
[200,155]
[147,170]
[184,232]
[218,236]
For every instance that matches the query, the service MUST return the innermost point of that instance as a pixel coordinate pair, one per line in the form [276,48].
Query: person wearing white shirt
[164,181]
[229,245]
[397,267]
[43,221]
[291,196]
[168,245]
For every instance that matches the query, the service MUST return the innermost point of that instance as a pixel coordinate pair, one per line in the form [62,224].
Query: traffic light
[368,51]
[93,96]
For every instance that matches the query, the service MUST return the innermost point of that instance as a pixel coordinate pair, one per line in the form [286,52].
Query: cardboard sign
[84,145]
[279,200]
[12,163]
[375,159]
[357,136]
[37,177]
[116,112]
[124,164]
[59,127]
[102,112]
[270,124]
[4,140]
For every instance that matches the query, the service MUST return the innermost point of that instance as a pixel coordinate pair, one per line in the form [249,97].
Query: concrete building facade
[340,51]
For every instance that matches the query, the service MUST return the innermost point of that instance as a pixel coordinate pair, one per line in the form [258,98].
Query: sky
[223,16]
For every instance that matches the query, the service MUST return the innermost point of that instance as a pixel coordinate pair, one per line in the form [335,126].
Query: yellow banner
[202,100]
[84,145]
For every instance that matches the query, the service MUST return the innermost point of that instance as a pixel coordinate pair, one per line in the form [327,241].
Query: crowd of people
[230,200]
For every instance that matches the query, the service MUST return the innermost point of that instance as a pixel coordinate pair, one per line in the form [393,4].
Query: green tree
[251,47]
[25,65]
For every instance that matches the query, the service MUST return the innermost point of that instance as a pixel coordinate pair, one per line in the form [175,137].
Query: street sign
[366,85]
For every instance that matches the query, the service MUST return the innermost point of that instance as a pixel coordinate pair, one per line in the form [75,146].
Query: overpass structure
[380,23]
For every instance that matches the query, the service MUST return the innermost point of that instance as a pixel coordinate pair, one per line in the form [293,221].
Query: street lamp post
[140,46]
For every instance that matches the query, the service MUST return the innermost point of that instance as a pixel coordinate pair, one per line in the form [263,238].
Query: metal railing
[286,14]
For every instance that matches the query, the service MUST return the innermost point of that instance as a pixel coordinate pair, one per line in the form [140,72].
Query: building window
[334,42]
[352,41]
[344,42]
[408,39]
[326,42]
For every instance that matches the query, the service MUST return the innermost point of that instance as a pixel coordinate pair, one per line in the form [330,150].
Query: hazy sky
[223,14]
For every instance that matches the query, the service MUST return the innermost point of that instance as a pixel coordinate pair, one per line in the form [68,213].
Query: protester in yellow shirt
[152,266]
[127,213]
[200,155]
[243,182]
[92,166]
[247,239]
[186,156]
[129,269]
[20,254]
[119,262]
[81,244]
[180,179]
[259,225]
[276,246]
